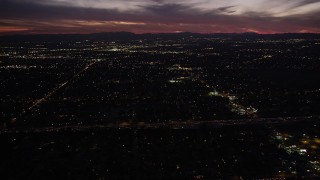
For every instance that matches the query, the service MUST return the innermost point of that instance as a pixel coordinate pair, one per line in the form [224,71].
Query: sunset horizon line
[154,33]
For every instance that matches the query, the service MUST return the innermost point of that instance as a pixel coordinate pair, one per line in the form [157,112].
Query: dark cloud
[227,9]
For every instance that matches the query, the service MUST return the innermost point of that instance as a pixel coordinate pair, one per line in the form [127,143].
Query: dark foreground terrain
[244,151]
[168,106]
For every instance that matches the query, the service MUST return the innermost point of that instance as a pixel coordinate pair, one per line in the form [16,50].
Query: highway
[38,102]
[166,125]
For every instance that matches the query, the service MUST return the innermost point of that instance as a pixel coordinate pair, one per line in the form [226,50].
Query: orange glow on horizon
[6,29]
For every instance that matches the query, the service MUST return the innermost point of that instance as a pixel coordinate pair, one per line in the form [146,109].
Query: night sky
[159,16]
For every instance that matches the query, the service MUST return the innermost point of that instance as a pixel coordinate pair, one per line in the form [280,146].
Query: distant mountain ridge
[111,36]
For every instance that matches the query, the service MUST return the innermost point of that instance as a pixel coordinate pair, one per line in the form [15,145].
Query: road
[167,125]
